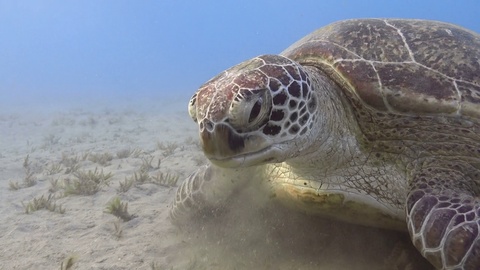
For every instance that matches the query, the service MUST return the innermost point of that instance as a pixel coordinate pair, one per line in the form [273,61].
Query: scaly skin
[373,122]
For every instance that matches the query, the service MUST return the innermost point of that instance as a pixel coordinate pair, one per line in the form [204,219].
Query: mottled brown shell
[412,67]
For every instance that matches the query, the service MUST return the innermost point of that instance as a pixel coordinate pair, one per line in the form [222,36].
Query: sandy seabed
[49,153]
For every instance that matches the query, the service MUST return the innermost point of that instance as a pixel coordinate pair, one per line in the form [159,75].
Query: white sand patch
[156,139]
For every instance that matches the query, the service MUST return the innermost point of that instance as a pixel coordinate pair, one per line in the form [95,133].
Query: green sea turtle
[370,121]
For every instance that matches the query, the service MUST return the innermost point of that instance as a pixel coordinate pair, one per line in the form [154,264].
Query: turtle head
[255,113]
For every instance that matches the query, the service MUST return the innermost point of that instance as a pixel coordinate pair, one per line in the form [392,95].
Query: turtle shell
[406,67]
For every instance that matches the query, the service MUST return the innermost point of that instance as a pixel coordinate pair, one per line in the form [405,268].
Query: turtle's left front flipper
[443,216]
[205,193]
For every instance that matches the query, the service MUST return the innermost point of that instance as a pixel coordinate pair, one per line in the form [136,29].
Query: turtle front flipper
[443,216]
[204,193]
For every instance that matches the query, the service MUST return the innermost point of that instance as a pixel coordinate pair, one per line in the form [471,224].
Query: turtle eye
[250,109]
[192,107]
[255,111]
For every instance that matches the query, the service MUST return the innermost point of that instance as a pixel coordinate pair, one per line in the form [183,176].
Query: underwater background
[95,136]
[69,51]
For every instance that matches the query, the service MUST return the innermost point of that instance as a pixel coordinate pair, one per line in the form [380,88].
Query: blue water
[56,52]
[150,55]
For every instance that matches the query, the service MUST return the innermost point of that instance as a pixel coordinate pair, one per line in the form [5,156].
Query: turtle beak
[220,141]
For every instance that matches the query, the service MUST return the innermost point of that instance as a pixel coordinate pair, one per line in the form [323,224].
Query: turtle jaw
[225,147]
[263,156]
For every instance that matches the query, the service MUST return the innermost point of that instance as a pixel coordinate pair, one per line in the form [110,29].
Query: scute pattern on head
[252,105]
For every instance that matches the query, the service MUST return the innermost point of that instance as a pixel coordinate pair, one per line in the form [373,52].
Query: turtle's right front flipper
[204,193]
[443,217]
